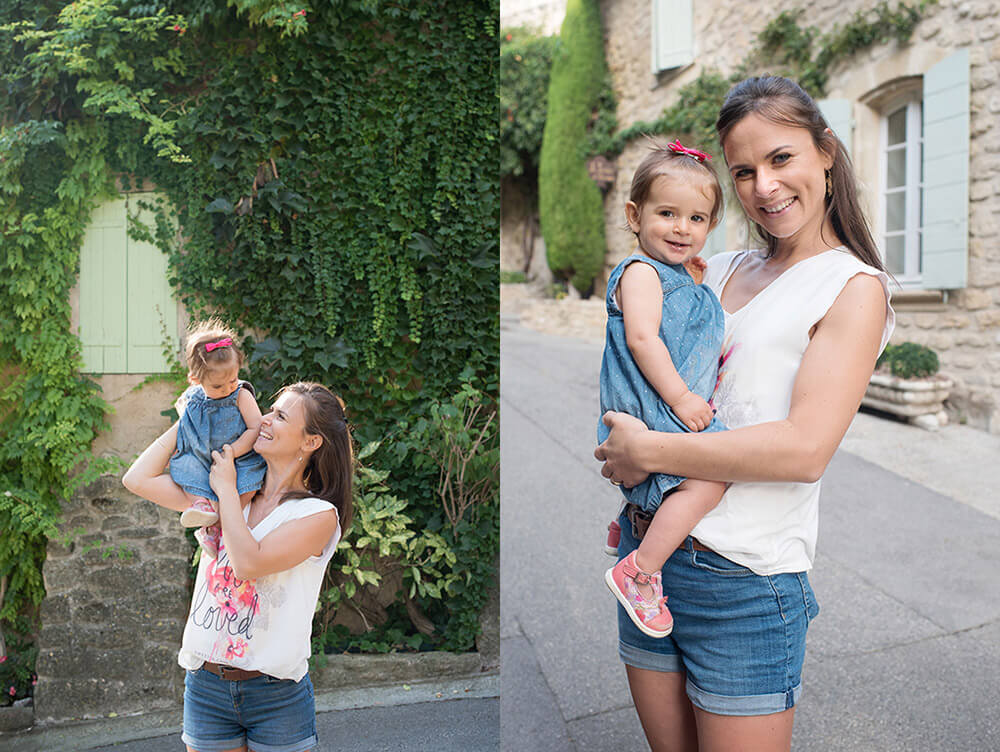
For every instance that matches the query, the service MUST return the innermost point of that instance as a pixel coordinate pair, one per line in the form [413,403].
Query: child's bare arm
[641,300]
[252,417]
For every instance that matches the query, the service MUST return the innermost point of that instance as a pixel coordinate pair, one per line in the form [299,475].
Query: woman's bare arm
[828,389]
[146,476]
[287,546]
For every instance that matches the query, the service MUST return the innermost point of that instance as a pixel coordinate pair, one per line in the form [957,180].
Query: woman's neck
[803,245]
[280,479]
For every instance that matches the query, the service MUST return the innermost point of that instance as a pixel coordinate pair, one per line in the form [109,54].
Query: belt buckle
[224,669]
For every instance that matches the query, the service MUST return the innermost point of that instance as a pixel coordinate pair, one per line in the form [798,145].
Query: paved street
[904,655]
[453,726]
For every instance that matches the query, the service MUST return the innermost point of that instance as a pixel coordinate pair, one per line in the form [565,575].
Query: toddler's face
[221,382]
[674,221]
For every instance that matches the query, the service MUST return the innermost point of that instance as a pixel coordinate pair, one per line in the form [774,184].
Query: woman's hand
[617,453]
[222,477]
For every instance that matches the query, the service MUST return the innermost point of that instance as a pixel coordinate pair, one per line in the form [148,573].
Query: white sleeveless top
[262,624]
[771,527]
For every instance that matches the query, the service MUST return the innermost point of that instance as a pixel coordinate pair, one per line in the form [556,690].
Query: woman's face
[780,177]
[283,429]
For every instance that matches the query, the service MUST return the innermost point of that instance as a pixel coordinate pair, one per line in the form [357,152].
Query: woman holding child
[805,319]
[247,638]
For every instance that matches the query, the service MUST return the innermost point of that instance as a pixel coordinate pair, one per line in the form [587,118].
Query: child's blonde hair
[662,161]
[201,359]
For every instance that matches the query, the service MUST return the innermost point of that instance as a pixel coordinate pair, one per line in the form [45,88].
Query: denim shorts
[264,713]
[740,637]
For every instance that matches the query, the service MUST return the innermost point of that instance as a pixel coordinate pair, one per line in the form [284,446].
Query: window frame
[911,276]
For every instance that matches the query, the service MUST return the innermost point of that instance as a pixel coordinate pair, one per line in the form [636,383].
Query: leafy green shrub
[570,203]
[909,361]
[525,61]
[441,549]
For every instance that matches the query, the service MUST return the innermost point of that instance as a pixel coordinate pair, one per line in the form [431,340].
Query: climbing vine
[328,183]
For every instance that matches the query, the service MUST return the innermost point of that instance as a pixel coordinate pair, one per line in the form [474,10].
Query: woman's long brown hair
[329,473]
[784,102]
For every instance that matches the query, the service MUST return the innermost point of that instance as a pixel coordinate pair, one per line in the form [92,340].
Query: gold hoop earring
[829,185]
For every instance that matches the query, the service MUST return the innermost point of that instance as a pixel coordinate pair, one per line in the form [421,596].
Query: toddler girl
[216,409]
[661,358]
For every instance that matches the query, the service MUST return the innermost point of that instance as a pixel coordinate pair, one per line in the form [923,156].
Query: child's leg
[246,498]
[673,522]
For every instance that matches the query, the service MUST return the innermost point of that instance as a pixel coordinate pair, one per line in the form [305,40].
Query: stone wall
[544,16]
[111,622]
[963,326]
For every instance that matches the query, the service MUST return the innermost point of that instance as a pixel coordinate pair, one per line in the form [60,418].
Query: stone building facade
[958,317]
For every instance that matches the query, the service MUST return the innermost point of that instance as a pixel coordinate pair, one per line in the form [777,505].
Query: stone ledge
[364,670]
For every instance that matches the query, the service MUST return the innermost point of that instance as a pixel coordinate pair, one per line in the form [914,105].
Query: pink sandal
[199,514]
[651,616]
[209,538]
[614,535]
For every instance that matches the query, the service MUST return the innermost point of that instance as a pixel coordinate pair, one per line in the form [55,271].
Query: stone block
[973,299]
[16,717]
[114,580]
[105,505]
[988,319]
[138,533]
[175,545]
[62,574]
[116,522]
[55,610]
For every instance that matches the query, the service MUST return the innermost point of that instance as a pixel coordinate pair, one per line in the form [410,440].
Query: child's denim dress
[205,426]
[692,327]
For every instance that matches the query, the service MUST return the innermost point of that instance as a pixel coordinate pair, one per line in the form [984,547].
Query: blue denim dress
[205,426]
[692,327]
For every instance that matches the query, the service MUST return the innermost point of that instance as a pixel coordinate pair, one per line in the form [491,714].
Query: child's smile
[674,221]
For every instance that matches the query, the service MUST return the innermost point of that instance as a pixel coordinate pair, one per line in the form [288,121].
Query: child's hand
[693,411]
[222,476]
[696,267]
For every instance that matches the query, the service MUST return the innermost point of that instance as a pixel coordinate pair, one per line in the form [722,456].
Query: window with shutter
[125,299]
[673,34]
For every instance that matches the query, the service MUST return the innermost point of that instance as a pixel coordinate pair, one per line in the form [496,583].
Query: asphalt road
[450,726]
[904,655]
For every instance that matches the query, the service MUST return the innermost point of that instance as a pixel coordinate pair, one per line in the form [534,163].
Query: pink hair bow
[209,346]
[680,149]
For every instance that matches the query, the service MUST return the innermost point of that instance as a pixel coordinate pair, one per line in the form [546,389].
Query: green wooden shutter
[125,297]
[150,299]
[673,34]
[102,290]
[838,114]
[945,202]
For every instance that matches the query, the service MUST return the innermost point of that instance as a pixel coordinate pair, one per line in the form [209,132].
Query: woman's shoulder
[305,507]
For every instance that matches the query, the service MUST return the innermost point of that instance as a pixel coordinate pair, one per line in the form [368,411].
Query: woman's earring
[829,185]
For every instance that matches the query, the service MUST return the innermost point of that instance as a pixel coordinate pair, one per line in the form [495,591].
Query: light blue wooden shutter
[102,290]
[150,299]
[838,114]
[673,34]
[125,297]
[945,203]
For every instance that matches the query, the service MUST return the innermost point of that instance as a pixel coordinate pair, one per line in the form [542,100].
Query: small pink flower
[3,658]
[12,692]
[299,13]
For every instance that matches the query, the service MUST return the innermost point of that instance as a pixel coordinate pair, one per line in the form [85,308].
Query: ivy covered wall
[331,187]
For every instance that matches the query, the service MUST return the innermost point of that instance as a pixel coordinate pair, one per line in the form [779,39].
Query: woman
[247,639]
[806,318]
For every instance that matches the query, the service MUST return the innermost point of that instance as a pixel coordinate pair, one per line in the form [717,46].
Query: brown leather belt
[640,523]
[229,673]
